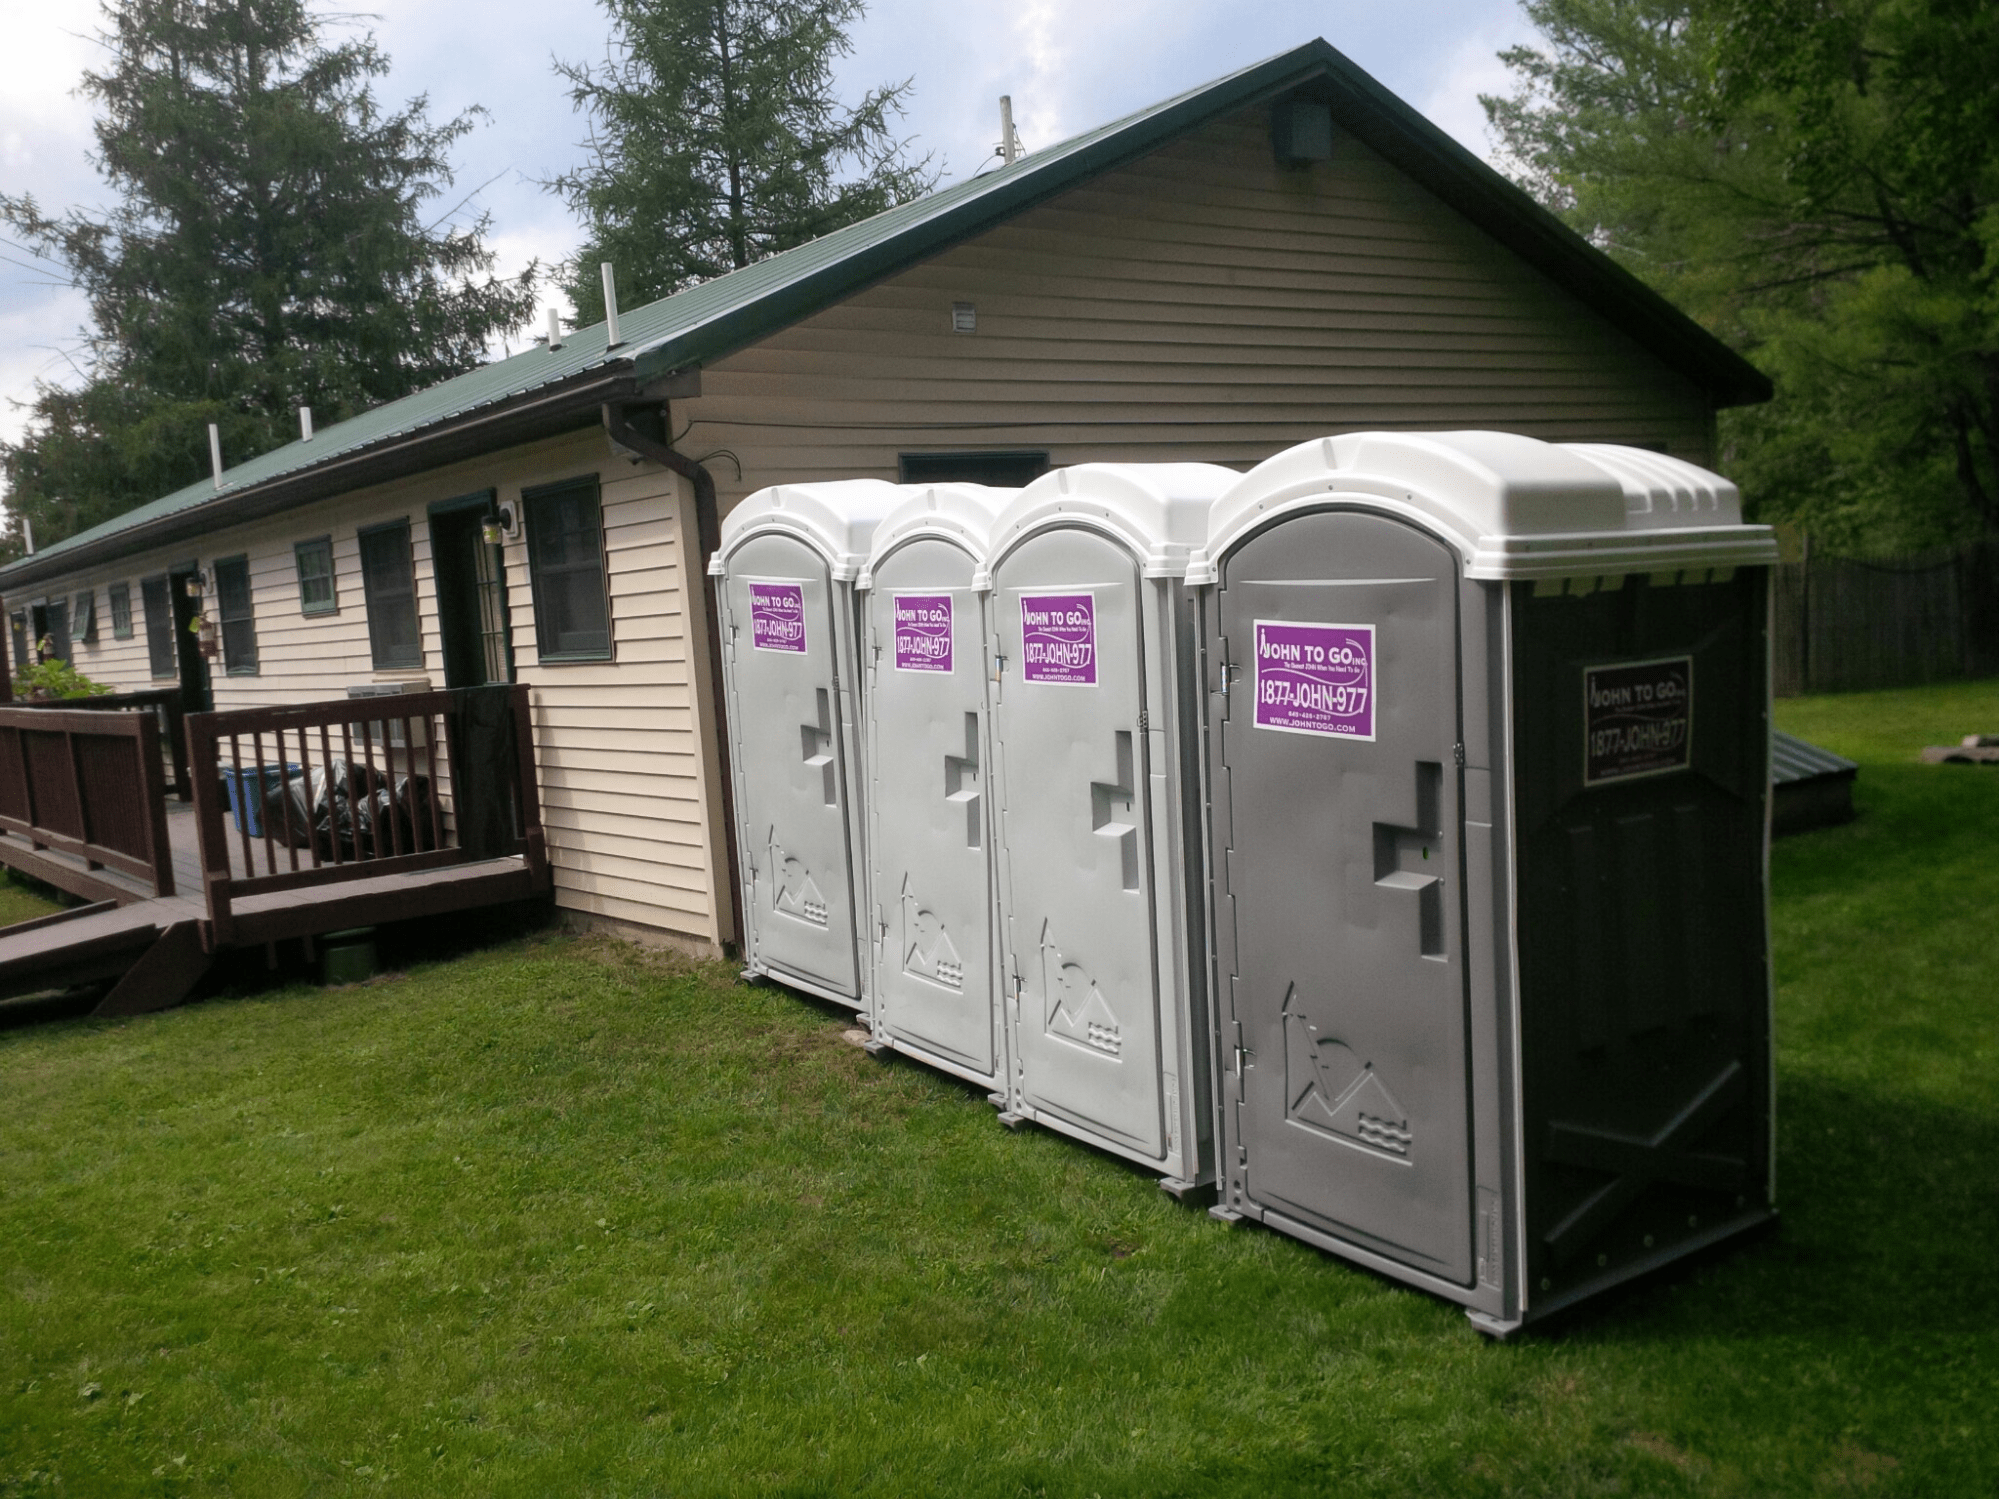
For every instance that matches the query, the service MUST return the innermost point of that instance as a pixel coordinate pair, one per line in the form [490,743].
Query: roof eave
[1409,141]
[526,418]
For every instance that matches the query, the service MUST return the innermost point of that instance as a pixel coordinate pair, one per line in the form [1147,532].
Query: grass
[22,899]
[561,1216]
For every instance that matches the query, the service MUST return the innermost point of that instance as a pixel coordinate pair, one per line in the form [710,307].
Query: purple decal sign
[922,632]
[777,617]
[1058,639]
[1315,679]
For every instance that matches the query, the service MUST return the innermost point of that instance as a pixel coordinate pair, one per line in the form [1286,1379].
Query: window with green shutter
[239,626]
[388,585]
[572,613]
[83,617]
[121,611]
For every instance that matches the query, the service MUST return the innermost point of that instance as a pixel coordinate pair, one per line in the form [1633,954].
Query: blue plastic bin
[249,811]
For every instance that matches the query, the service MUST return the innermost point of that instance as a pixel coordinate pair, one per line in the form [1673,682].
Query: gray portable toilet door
[1072,819]
[783,721]
[932,886]
[1339,842]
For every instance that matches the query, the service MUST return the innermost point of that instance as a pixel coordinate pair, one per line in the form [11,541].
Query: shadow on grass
[247,973]
[1886,1230]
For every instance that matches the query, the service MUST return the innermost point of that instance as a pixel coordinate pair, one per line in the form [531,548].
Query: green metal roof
[708,321]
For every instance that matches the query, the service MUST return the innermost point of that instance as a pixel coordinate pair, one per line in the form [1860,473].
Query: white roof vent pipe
[611,338]
[215,452]
[305,424]
[555,323]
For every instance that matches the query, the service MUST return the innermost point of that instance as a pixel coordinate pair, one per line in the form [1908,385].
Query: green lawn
[559,1216]
[22,900]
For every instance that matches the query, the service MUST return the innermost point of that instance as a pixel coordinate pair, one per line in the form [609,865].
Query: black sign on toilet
[1637,718]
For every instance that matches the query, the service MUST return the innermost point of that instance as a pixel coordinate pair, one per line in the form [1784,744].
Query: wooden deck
[155,926]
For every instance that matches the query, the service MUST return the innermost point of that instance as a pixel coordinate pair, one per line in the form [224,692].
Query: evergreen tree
[716,140]
[269,250]
[1818,180]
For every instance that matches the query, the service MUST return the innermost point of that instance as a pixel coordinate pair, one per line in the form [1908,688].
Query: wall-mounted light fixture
[194,584]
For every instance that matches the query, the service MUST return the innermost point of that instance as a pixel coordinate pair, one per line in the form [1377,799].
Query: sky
[1068,67]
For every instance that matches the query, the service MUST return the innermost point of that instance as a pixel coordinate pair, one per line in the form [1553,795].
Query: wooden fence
[88,785]
[1842,625]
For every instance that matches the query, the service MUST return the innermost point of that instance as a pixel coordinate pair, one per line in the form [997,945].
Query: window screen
[239,626]
[315,577]
[121,611]
[160,641]
[83,616]
[388,585]
[572,616]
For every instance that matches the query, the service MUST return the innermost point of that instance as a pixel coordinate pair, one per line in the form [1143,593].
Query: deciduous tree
[1819,181]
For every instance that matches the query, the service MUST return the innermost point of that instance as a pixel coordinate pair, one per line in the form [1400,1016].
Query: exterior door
[1068,724]
[927,790]
[471,595]
[792,790]
[1338,839]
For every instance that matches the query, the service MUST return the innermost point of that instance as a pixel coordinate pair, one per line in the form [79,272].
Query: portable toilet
[1488,751]
[788,562]
[929,851]
[1097,822]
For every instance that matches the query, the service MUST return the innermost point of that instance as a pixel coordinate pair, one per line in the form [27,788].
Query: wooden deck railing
[89,785]
[370,787]
[165,703]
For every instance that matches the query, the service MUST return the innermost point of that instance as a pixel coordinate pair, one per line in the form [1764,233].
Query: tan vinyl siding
[625,770]
[1202,303]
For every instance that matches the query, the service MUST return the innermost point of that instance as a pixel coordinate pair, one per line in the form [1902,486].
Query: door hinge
[1458,754]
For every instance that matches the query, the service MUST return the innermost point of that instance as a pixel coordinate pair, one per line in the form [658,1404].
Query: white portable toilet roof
[1160,511]
[1515,507]
[836,518]
[961,513]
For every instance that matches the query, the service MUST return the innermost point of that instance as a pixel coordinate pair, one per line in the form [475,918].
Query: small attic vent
[1301,130]
[964,318]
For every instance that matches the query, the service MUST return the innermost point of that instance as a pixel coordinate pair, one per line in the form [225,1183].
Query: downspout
[708,529]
